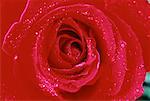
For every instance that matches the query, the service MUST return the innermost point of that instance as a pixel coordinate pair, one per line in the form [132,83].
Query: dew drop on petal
[77,12]
[63,9]
[115,84]
[126,68]
[139,12]
[108,54]
[85,13]
[53,17]
[40,8]
[36,33]
[93,55]
[15,57]
[40,11]
[48,69]
[137,90]
[134,2]
[122,45]
[56,85]
[43,86]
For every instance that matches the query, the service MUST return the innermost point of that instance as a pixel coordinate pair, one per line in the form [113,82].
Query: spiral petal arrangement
[68,46]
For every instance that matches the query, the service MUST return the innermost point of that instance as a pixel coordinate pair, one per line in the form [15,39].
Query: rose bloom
[75,49]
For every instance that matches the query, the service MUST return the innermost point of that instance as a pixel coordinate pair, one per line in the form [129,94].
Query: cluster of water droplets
[45,7]
[139,11]
[47,84]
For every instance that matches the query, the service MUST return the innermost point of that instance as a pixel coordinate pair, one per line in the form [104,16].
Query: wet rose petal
[75,48]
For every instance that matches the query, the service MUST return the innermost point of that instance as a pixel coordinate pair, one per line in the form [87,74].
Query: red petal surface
[109,62]
[136,14]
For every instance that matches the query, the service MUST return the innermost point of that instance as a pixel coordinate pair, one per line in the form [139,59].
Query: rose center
[70,47]
[75,49]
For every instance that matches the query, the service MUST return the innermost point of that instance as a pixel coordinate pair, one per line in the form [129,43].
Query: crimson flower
[79,49]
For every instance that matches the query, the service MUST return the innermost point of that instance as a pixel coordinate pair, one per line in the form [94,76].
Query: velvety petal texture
[80,49]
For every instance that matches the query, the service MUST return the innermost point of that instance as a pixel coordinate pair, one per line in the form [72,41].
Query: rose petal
[139,18]
[115,57]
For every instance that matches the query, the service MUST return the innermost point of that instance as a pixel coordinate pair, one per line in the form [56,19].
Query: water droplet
[115,84]
[40,8]
[108,54]
[126,68]
[134,1]
[77,12]
[48,69]
[139,12]
[137,90]
[16,57]
[63,9]
[44,3]
[56,85]
[36,33]
[40,11]
[68,53]
[49,6]
[122,45]
[129,4]
[48,20]
[93,55]
[43,86]
[45,7]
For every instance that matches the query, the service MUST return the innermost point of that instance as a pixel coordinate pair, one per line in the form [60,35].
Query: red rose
[78,49]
